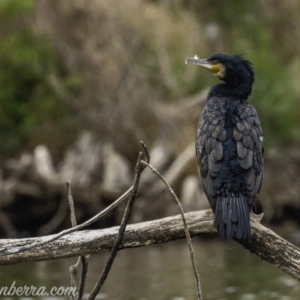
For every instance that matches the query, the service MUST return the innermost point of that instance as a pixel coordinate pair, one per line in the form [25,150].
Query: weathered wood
[98,174]
[94,241]
[265,243]
[82,161]
[274,249]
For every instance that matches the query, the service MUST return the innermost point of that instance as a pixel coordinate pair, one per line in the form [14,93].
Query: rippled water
[163,272]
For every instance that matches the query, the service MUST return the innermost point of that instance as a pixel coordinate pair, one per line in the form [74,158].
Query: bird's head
[232,69]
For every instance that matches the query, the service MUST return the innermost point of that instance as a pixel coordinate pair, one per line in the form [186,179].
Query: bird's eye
[214,62]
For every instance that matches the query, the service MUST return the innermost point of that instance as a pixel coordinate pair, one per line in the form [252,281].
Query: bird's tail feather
[232,216]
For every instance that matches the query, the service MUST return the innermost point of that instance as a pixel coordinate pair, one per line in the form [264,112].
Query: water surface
[164,272]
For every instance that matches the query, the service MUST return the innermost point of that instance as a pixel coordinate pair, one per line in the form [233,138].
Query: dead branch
[83,259]
[186,229]
[8,250]
[138,170]
[264,243]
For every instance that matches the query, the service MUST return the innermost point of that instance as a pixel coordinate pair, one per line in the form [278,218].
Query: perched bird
[229,145]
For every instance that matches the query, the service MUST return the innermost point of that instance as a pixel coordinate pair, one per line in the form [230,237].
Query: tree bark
[264,242]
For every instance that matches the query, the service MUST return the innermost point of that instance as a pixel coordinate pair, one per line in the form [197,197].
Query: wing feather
[210,135]
[249,139]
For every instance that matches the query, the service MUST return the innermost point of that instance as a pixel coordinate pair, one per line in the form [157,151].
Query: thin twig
[138,170]
[83,259]
[8,251]
[71,205]
[73,270]
[187,233]
[85,264]
[146,152]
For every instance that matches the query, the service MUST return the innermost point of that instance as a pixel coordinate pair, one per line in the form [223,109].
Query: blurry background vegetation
[114,62]
[116,68]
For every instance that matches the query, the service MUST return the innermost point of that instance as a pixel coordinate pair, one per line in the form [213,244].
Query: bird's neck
[238,90]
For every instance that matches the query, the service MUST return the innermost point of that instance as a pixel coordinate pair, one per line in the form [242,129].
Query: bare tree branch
[83,259]
[138,170]
[264,242]
[186,229]
[10,250]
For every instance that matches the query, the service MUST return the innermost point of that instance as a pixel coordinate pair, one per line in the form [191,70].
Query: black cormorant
[229,145]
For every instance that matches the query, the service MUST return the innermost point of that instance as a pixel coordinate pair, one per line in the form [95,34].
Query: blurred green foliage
[267,34]
[26,100]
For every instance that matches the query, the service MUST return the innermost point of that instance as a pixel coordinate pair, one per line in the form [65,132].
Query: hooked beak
[214,68]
